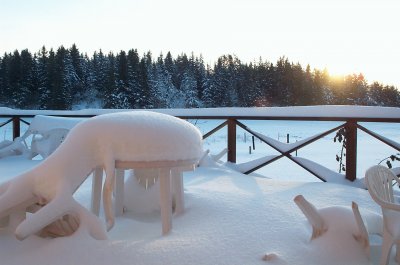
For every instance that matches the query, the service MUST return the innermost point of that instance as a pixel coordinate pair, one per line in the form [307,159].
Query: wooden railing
[349,115]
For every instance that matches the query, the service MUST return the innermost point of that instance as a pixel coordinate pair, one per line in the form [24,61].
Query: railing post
[16,127]
[351,150]
[232,140]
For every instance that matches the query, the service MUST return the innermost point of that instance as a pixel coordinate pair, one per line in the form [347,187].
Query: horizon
[343,37]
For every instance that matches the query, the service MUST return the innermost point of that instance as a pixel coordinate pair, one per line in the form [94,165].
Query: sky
[344,36]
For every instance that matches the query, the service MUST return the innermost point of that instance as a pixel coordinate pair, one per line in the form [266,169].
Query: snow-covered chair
[45,134]
[379,181]
[45,143]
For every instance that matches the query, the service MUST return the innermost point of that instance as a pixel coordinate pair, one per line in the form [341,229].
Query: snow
[338,112]
[229,218]
[329,175]
[386,140]
[100,141]
[41,123]
[246,166]
[143,136]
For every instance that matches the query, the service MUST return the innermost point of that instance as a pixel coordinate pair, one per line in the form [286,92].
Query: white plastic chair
[45,143]
[379,181]
[46,132]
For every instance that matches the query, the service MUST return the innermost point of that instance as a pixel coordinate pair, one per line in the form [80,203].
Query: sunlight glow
[343,36]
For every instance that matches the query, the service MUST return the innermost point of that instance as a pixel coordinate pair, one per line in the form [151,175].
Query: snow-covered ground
[229,218]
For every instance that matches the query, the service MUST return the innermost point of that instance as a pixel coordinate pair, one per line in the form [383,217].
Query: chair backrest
[379,181]
[41,123]
[45,134]
[48,142]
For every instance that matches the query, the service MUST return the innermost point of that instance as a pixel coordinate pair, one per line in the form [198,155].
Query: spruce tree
[43,69]
[189,89]
[28,89]
[48,95]
[123,90]
[74,63]
[201,77]
[133,76]
[100,68]
[144,98]
[110,95]
[217,93]
[5,87]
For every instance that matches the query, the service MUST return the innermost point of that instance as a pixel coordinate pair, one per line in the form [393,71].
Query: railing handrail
[307,113]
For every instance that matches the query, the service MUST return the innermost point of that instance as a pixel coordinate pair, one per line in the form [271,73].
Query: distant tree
[144,98]
[88,94]
[355,89]
[110,94]
[299,95]
[100,65]
[28,90]
[375,95]
[123,91]
[202,77]
[44,84]
[5,87]
[15,75]
[78,63]
[133,76]
[46,99]
[268,84]
[189,86]
[218,94]
[165,93]
[171,68]
[65,79]
[284,82]
[68,79]
[391,96]
[249,86]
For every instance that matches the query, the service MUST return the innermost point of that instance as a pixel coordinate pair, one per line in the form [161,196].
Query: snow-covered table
[169,172]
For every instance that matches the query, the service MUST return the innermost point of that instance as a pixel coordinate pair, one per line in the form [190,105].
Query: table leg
[96,190]
[119,192]
[165,199]
[177,186]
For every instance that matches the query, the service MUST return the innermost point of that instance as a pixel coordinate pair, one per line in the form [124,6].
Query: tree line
[67,79]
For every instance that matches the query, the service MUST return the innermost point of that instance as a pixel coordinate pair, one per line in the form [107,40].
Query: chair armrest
[391,206]
[397,179]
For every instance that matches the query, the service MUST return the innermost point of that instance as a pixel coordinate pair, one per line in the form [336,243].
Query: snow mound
[152,136]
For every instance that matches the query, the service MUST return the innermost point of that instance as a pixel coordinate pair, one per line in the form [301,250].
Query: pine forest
[66,79]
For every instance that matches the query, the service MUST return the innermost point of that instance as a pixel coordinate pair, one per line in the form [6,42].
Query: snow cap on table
[152,136]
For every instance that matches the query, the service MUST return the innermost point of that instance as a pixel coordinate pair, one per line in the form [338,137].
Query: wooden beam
[232,140]
[16,127]
[351,150]
[215,130]
[379,137]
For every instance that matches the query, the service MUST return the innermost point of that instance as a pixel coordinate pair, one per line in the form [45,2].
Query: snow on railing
[350,115]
